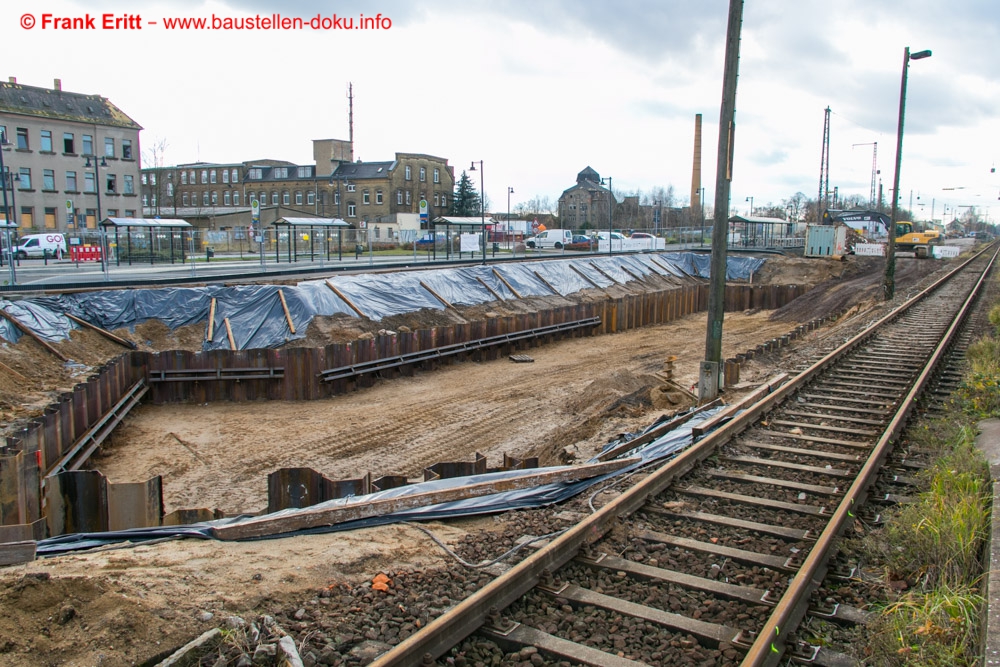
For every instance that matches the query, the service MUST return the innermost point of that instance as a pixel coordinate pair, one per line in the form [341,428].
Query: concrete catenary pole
[708,382]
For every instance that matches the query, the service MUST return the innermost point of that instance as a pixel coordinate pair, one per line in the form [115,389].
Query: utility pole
[874,144]
[708,381]
[824,169]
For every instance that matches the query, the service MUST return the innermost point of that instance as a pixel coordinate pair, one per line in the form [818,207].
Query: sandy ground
[122,606]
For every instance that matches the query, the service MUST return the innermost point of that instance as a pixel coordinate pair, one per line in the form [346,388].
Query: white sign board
[869,249]
[470,243]
[945,251]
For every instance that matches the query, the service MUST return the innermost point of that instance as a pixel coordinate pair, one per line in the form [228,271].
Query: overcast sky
[539,90]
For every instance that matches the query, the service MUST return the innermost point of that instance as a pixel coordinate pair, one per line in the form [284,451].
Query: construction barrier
[85,253]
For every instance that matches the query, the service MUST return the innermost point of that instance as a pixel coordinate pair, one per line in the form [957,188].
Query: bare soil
[123,606]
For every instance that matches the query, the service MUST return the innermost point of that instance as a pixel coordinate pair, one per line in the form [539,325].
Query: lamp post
[889,284]
[100,228]
[750,199]
[611,203]
[482,202]
[6,210]
[513,244]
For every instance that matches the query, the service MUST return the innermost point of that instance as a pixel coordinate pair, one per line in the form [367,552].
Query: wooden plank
[211,321]
[273,525]
[104,332]
[648,572]
[546,283]
[344,298]
[31,334]
[751,500]
[815,453]
[655,432]
[10,370]
[739,476]
[12,553]
[506,284]
[756,526]
[779,563]
[447,304]
[787,465]
[284,307]
[490,289]
[751,398]
[584,275]
[229,333]
[604,273]
[579,654]
[865,433]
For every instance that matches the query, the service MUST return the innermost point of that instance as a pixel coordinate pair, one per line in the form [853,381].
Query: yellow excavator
[918,242]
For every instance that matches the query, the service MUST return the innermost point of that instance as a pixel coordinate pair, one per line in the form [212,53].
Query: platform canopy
[160,223]
[310,222]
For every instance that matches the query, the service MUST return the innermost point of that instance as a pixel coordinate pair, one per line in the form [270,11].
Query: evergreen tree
[465,201]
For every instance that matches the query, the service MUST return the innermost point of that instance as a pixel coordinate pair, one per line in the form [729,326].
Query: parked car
[581,242]
[550,238]
[614,235]
[426,242]
[641,235]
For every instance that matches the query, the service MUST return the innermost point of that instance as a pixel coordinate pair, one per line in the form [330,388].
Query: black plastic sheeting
[659,450]
[257,319]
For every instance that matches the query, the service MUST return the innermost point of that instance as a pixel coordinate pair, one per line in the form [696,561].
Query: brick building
[585,205]
[52,133]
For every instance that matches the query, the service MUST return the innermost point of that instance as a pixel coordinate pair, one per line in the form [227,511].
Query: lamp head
[919,55]
[472,167]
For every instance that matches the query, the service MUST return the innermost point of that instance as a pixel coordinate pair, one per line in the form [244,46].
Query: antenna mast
[350,113]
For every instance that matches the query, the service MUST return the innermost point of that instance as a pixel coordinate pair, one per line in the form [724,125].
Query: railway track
[713,557]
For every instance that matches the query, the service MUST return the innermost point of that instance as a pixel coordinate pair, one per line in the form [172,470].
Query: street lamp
[611,200]
[100,228]
[889,284]
[750,199]
[513,244]
[6,209]
[701,202]
[482,203]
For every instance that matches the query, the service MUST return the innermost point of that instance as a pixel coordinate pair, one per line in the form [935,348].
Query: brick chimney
[57,85]
[12,79]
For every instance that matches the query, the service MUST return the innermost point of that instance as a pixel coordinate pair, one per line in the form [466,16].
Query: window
[128,184]
[225,175]
[3,133]
[236,176]
[109,147]
[145,200]
[280,172]
[336,198]
[304,172]
[399,196]
[191,177]
[112,212]
[154,200]
[126,149]
[444,201]
[350,187]
[71,181]
[236,199]
[204,198]
[184,200]
[129,213]
[89,182]
[144,179]
[211,177]
[226,197]
[112,183]
[24,178]
[255,174]
[285,198]
[215,198]
[274,197]
[152,178]
[436,198]
[50,217]
[408,176]
[88,144]
[46,141]
[351,210]
[22,138]
[437,175]
[310,198]
[91,218]
[298,198]
[423,174]
[378,196]
[27,217]
[365,198]
[184,178]
[204,176]
[48,179]
[408,198]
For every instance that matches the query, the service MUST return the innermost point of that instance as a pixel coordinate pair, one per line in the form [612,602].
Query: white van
[550,238]
[40,245]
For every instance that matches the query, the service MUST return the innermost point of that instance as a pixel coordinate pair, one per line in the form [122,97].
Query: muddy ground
[121,606]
